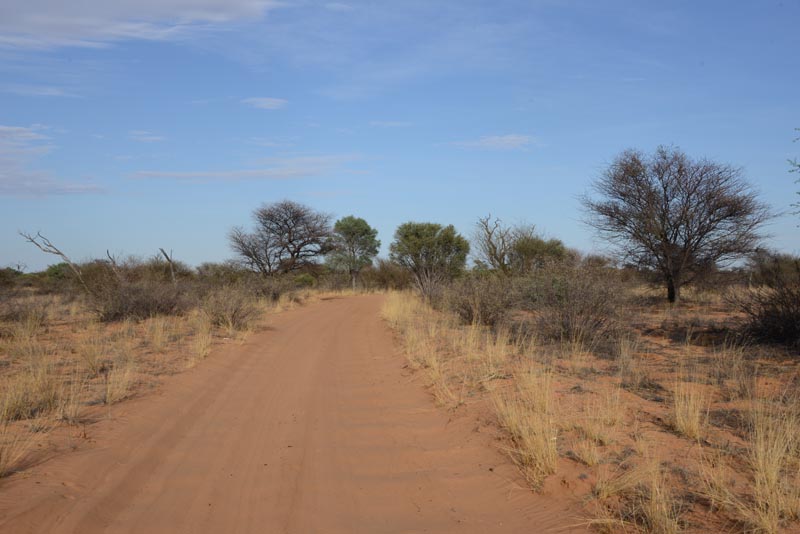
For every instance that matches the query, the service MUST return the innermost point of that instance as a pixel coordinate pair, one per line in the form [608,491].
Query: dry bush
[27,317]
[773,308]
[575,306]
[526,413]
[138,300]
[231,308]
[484,299]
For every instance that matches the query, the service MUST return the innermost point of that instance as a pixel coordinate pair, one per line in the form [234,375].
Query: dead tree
[46,246]
[168,257]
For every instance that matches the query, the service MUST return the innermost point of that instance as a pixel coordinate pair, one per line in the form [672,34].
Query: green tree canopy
[433,253]
[354,245]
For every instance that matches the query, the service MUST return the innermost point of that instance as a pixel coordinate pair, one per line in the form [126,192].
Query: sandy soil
[311,426]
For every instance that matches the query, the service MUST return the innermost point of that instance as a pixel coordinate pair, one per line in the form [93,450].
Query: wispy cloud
[391,124]
[145,136]
[94,23]
[285,168]
[498,142]
[338,6]
[265,102]
[35,90]
[20,146]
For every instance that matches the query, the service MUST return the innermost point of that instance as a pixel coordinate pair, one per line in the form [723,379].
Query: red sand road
[312,426]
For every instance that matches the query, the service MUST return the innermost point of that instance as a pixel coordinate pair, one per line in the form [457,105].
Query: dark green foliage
[432,253]
[354,244]
[386,275]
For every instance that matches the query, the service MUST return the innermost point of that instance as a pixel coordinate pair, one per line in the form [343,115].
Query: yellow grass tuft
[526,413]
[689,409]
[118,381]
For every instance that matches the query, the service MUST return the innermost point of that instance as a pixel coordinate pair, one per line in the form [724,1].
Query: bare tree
[493,243]
[287,236]
[44,244]
[677,216]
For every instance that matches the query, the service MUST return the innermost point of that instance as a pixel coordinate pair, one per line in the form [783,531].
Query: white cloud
[285,168]
[92,23]
[145,136]
[265,102]
[499,142]
[20,146]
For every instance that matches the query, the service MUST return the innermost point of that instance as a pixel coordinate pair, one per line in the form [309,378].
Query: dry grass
[14,446]
[94,351]
[203,338]
[33,391]
[659,511]
[527,414]
[118,381]
[689,409]
[158,333]
[618,482]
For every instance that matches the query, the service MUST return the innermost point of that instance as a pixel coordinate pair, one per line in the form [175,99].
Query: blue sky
[130,126]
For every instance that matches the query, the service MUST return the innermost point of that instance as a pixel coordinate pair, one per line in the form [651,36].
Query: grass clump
[527,414]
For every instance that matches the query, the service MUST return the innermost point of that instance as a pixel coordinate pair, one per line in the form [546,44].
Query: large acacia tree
[287,236]
[432,253]
[675,215]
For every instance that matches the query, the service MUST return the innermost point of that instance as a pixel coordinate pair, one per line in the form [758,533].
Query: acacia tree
[287,236]
[354,243]
[432,253]
[517,249]
[677,216]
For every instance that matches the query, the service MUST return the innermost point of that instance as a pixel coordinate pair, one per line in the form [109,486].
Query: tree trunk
[673,290]
[353,275]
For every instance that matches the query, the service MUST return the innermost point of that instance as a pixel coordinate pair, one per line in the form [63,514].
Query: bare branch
[46,246]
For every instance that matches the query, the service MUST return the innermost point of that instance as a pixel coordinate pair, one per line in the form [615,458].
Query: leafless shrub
[574,305]
[484,299]
[138,300]
[230,308]
[773,307]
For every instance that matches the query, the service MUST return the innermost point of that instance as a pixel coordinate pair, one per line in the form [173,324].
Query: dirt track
[312,426]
